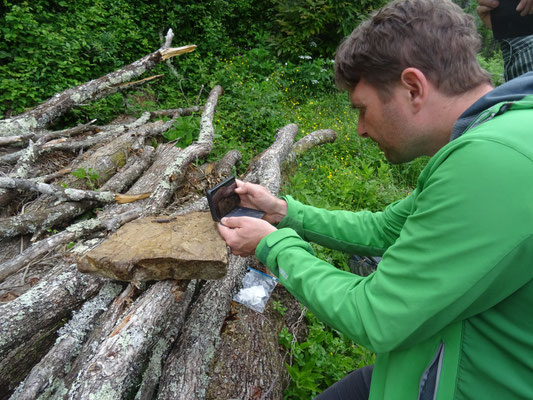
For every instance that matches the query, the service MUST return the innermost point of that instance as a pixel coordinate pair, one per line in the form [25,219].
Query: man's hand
[243,234]
[259,198]
[484,8]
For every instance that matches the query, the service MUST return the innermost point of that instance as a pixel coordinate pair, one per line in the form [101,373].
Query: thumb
[231,222]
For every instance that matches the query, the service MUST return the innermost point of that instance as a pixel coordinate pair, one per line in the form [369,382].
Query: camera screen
[225,199]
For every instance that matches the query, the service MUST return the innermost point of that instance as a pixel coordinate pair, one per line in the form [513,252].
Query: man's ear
[417,86]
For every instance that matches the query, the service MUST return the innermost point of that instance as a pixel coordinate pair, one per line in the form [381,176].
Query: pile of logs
[64,334]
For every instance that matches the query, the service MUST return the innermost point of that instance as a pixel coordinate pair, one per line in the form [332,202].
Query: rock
[155,248]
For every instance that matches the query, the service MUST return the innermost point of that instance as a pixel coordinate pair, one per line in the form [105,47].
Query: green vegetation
[325,357]
[89,176]
[273,59]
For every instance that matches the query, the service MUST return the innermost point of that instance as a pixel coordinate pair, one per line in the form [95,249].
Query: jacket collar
[514,90]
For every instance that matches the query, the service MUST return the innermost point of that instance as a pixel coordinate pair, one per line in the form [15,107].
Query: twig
[60,193]
[199,94]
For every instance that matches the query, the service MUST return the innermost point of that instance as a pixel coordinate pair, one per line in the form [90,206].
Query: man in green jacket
[449,310]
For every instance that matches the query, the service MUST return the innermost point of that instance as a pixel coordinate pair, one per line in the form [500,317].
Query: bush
[315,27]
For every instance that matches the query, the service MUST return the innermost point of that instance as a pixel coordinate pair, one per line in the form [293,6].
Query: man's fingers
[489,4]
[484,14]
[525,7]
[224,231]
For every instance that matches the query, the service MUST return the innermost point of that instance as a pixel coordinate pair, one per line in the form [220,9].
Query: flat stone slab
[155,248]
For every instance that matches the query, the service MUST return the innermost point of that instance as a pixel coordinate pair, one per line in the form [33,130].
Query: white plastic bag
[256,289]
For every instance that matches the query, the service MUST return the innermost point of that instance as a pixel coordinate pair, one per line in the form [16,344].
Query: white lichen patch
[83,247]
[84,226]
[106,392]
[17,126]
[76,97]
[82,320]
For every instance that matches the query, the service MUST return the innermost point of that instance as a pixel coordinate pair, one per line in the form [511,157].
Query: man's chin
[398,158]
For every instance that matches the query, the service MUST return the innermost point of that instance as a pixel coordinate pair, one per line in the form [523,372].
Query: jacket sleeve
[467,244]
[363,232]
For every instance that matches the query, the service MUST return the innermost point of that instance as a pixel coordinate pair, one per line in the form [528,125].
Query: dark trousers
[354,386]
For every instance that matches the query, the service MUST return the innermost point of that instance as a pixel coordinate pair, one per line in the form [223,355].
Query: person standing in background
[513,29]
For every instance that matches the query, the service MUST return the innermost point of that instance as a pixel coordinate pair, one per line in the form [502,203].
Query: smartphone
[224,202]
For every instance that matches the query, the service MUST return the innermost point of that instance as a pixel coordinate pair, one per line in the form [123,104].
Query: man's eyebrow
[356,106]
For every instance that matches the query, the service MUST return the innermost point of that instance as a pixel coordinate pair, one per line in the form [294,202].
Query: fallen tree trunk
[186,373]
[127,348]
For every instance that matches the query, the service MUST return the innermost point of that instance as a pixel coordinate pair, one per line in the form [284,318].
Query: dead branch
[53,176]
[186,373]
[66,194]
[61,193]
[224,166]
[70,234]
[43,145]
[315,138]
[102,329]
[176,111]
[49,135]
[42,115]
[134,168]
[38,308]
[175,171]
[267,169]
[105,160]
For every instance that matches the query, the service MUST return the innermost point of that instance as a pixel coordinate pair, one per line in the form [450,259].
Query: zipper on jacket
[487,115]
[429,382]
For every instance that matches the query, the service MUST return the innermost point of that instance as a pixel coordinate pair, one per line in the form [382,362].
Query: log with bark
[65,334]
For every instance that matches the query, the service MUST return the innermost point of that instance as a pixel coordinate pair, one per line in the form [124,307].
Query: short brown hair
[435,36]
